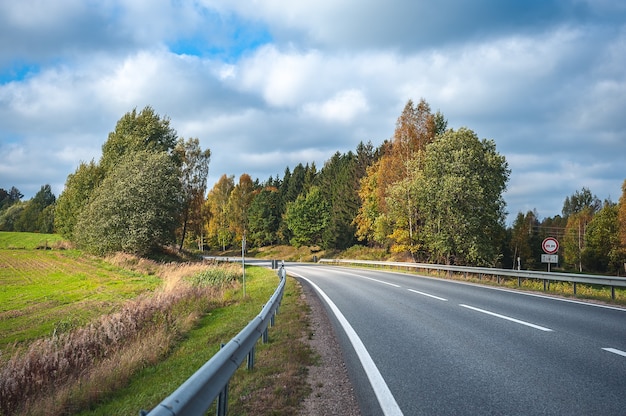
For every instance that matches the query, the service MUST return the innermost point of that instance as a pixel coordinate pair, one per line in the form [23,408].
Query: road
[424,346]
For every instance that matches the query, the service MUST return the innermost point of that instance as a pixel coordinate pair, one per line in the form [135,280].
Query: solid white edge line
[615,351]
[508,318]
[427,294]
[385,398]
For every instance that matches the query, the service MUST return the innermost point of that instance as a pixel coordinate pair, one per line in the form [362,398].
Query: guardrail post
[613,292]
[519,281]
[574,288]
[222,402]
[222,398]
[265,336]
[251,359]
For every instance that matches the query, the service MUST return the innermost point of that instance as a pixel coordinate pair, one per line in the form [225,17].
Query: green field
[28,241]
[46,290]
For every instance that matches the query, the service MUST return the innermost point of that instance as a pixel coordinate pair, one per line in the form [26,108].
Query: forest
[427,194]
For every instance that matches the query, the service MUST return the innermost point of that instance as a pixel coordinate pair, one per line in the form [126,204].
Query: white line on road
[508,318]
[615,351]
[427,294]
[380,281]
[386,400]
[369,278]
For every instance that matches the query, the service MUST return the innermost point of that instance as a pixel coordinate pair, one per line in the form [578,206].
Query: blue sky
[270,84]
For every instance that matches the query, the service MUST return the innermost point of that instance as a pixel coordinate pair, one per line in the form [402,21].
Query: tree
[460,197]
[194,168]
[370,221]
[307,217]
[10,215]
[575,237]
[32,218]
[217,206]
[264,217]
[524,239]
[79,187]
[238,205]
[8,198]
[621,219]
[389,179]
[580,201]
[404,212]
[135,209]
[338,182]
[135,132]
[602,252]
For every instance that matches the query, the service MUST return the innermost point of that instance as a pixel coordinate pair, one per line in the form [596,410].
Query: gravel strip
[332,392]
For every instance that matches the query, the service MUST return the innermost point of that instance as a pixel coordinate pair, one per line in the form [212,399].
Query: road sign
[550,245]
[550,258]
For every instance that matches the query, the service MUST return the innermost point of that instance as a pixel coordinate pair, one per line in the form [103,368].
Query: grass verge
[276,386]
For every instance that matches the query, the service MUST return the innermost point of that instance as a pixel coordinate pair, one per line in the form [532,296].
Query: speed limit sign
[550,245]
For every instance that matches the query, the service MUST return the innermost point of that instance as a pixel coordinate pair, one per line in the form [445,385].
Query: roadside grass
[277,384]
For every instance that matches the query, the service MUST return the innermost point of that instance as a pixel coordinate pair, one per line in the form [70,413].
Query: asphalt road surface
[423,346]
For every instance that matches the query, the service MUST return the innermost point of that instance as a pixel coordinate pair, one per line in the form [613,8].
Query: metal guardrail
[196,395]
[573,278]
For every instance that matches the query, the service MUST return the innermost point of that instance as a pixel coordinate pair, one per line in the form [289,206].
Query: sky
[269,84]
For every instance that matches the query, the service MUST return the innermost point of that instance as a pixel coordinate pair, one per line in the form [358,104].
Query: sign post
[243,262]
[550,246]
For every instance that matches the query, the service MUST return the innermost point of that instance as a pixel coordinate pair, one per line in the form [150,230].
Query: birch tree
[194,170]
[217,227]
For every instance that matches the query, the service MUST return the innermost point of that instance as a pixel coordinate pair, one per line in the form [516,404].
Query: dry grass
[62,373]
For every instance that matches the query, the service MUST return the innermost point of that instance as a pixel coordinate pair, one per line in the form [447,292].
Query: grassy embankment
[148,327]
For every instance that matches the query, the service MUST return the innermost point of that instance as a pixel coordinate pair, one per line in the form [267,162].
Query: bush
[135,208]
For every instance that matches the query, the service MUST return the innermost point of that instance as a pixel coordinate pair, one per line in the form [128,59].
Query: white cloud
[343,107]
[282,78]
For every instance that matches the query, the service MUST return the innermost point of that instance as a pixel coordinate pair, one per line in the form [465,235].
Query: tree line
[145,192]
[429,193]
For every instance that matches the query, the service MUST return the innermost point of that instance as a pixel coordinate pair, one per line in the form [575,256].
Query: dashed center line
[615,351]
[380,281]
[427,294]
[508,318]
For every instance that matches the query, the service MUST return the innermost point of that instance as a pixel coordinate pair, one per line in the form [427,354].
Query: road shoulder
[332,392]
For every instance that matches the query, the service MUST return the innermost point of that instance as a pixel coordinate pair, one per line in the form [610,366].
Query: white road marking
[427,294]
[508,318]
[369,278]
[386,400]
[615,351]
[380,281]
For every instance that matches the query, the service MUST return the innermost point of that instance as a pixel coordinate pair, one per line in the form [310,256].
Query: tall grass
[62,373]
